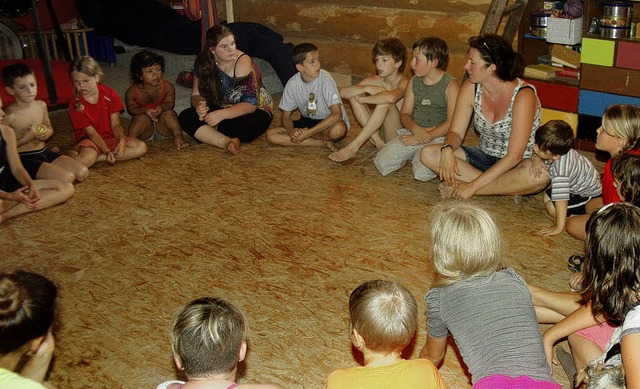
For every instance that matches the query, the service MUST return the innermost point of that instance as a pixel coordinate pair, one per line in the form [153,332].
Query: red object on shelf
[557,96]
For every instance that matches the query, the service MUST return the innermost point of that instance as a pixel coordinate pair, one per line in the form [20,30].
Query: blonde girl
[486,307]
[95,115]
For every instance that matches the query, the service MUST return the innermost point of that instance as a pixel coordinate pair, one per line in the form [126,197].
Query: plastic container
[539,19]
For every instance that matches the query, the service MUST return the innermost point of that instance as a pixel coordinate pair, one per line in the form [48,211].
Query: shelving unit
[610,74]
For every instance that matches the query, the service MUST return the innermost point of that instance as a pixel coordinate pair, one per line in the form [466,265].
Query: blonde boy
[30,120]
[314,93]
[383,91]
[384,317]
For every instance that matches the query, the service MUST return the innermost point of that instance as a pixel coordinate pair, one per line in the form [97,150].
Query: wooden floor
[284,233]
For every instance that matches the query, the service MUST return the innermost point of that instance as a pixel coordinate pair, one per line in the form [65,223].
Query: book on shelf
[541,71]
[565,56]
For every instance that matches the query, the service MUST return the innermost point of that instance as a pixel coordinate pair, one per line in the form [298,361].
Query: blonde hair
[465,242]
[86,65]
[624,121]
[207,335]
[385,314]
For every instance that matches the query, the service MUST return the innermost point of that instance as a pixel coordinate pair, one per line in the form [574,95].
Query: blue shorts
[478,158]
[577,203]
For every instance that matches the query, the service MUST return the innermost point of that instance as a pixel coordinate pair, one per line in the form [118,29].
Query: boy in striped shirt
[575,187]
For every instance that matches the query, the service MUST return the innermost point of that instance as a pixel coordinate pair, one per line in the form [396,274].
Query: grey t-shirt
[314,99]
[494,325]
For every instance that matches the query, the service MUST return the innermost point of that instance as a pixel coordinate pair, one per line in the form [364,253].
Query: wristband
[444,146]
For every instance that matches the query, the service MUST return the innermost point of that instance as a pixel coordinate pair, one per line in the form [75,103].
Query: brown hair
[393,47]
[494,49]
[555,136]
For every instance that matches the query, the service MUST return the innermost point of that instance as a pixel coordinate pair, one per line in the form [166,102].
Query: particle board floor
[284,233]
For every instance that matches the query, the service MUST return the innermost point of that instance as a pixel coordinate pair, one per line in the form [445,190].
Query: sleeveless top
[494,137]
[430,101]
[247,89]
[153,104]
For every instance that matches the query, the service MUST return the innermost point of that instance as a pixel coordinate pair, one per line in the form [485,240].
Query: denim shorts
[478,158]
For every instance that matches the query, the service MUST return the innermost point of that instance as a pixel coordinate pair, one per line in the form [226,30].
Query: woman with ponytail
[229,104]
[27,308]
[505,111]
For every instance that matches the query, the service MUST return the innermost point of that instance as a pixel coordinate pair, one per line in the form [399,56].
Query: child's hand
[202,110]
[551,230]
[118,152]
[153,114]
[213,118]
[25,196]
[548,351]
[47,347]
[111,158]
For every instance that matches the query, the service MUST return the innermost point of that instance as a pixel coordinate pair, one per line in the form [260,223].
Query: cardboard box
[564,31]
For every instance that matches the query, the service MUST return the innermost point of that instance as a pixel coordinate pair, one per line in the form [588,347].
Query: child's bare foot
[300,134]
[234,146]
[446,190]
[180,142]
[376,141]
[343,155]
[331,146]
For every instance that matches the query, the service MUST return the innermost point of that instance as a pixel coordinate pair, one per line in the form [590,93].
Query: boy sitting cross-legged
[384,317]
[575,187]
[383,91]
[314,93]
[427,109]
[30,120]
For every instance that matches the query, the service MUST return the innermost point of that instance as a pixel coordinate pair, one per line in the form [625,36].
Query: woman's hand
[202,109]
[213,118]
[448,167]
[463,191]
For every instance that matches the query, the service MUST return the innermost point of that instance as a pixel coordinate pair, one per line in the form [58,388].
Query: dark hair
[495,50]
[393,47]
[300,52]
[205,66]
[13,71]
[434,48]
[555,136]
[612,260]
[27,307]
[141,60]
[625,168]
[207,335]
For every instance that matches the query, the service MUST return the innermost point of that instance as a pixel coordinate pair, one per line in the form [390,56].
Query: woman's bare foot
[234,146]
[343,154]
[331,146]
[446,190]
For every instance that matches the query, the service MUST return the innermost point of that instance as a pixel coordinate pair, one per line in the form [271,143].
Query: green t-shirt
[9,379]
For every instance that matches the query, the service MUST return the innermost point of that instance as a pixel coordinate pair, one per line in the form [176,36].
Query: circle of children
[489,310]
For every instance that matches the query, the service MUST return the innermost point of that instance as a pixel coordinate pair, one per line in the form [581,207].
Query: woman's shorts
[478,158]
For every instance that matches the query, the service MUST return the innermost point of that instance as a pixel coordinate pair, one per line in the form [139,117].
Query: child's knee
[81,172]
[338,131]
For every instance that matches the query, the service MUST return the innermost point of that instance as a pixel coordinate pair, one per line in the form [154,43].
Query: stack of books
[540,71]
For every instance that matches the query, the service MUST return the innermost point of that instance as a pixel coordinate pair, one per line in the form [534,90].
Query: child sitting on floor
[575,187]
[208,341]
[30,120]
[27,309]
[426,110]
[383,91]
[151,101]
[19,193]
[486,307]
[384,317]
[314,93]
[95,115]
